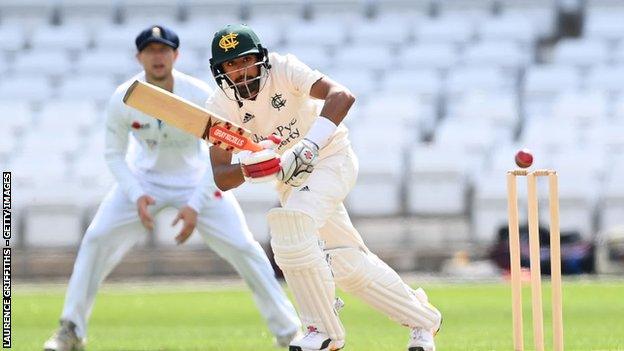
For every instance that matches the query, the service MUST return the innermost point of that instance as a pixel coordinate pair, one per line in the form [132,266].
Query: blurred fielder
[167,169]
[313,239]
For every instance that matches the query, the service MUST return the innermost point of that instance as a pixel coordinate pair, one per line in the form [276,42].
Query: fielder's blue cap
[157,34]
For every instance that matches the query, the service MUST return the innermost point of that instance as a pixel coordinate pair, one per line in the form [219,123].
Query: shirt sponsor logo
[287,133]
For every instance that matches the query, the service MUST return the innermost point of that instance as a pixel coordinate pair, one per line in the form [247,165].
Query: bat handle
[253,147]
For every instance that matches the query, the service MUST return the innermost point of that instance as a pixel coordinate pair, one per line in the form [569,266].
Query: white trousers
[116,228]
[354,268]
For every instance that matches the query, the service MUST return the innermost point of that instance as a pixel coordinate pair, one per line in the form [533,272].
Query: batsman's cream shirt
[158,153]
[283,107]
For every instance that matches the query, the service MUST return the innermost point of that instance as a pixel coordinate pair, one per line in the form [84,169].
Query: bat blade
[187,116]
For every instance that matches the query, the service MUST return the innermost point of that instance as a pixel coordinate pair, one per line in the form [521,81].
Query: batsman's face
[243,73]
[157,60]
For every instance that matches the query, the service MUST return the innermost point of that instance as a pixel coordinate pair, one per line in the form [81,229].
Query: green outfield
[213,317]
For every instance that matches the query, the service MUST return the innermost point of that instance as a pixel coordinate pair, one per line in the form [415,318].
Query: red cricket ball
[524,158]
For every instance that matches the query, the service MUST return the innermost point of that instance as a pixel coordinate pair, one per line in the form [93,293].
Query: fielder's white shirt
[158,153]
[283,107]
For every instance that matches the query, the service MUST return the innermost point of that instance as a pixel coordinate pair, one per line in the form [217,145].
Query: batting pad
[297,252]
[366,276]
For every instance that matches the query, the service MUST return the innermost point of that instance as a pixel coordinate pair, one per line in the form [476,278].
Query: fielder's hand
[189,218]
[298,162]
[144,214]
[261,166]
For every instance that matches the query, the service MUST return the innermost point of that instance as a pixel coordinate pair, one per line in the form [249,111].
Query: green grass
[476,317]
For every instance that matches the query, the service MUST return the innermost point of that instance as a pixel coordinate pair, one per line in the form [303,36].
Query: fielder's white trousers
[116,228]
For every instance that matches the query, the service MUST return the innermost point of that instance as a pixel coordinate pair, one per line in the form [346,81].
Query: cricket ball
[524,158]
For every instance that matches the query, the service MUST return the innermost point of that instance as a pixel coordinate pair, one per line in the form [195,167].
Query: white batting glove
[261,166]
[297,163]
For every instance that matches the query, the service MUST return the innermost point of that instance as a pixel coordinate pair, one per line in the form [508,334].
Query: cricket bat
[185,115]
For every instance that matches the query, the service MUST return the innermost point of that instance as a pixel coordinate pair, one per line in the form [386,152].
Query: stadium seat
[416,9]
[543,83]
[16,117]
[578,194]
[426,83]
[582,53]
[608,134]
[381,171]
[541,13]
[580,109]
[452,29]
[86,86]
[346,9]
[271,33]
[510,28]
[212,11]
[14,38]
[96,13]
[117,62]
[316,58]
[145,11]
[475,137]
[393,30]
[259,11]
[26,14]
[605,26]
[189,61]
[397,108]
[361,82]
[612,203]
[473,9]
[548,133]
[69,37]
[428,55]
[319,34]
[489,205]
[499,111]
[463,80]
[437,180]
[73,116]
[606,79]
[117,38]
[364,57]
[43,62]
[502,54]
[26,88]
[7,147]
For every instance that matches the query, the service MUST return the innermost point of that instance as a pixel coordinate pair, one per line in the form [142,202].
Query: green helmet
[232,41]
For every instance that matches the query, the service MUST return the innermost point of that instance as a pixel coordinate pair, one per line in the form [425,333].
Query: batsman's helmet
[232,41]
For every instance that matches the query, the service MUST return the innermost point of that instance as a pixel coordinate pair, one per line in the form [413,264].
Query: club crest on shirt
[278,102]
[248,117]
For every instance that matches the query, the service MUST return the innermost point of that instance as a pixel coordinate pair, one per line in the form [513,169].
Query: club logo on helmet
[228,41]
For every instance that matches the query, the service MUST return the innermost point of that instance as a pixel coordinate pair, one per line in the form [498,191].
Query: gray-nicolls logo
[278,102]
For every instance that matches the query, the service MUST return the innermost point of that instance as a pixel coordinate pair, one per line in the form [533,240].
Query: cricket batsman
[278,98]
[168,169]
